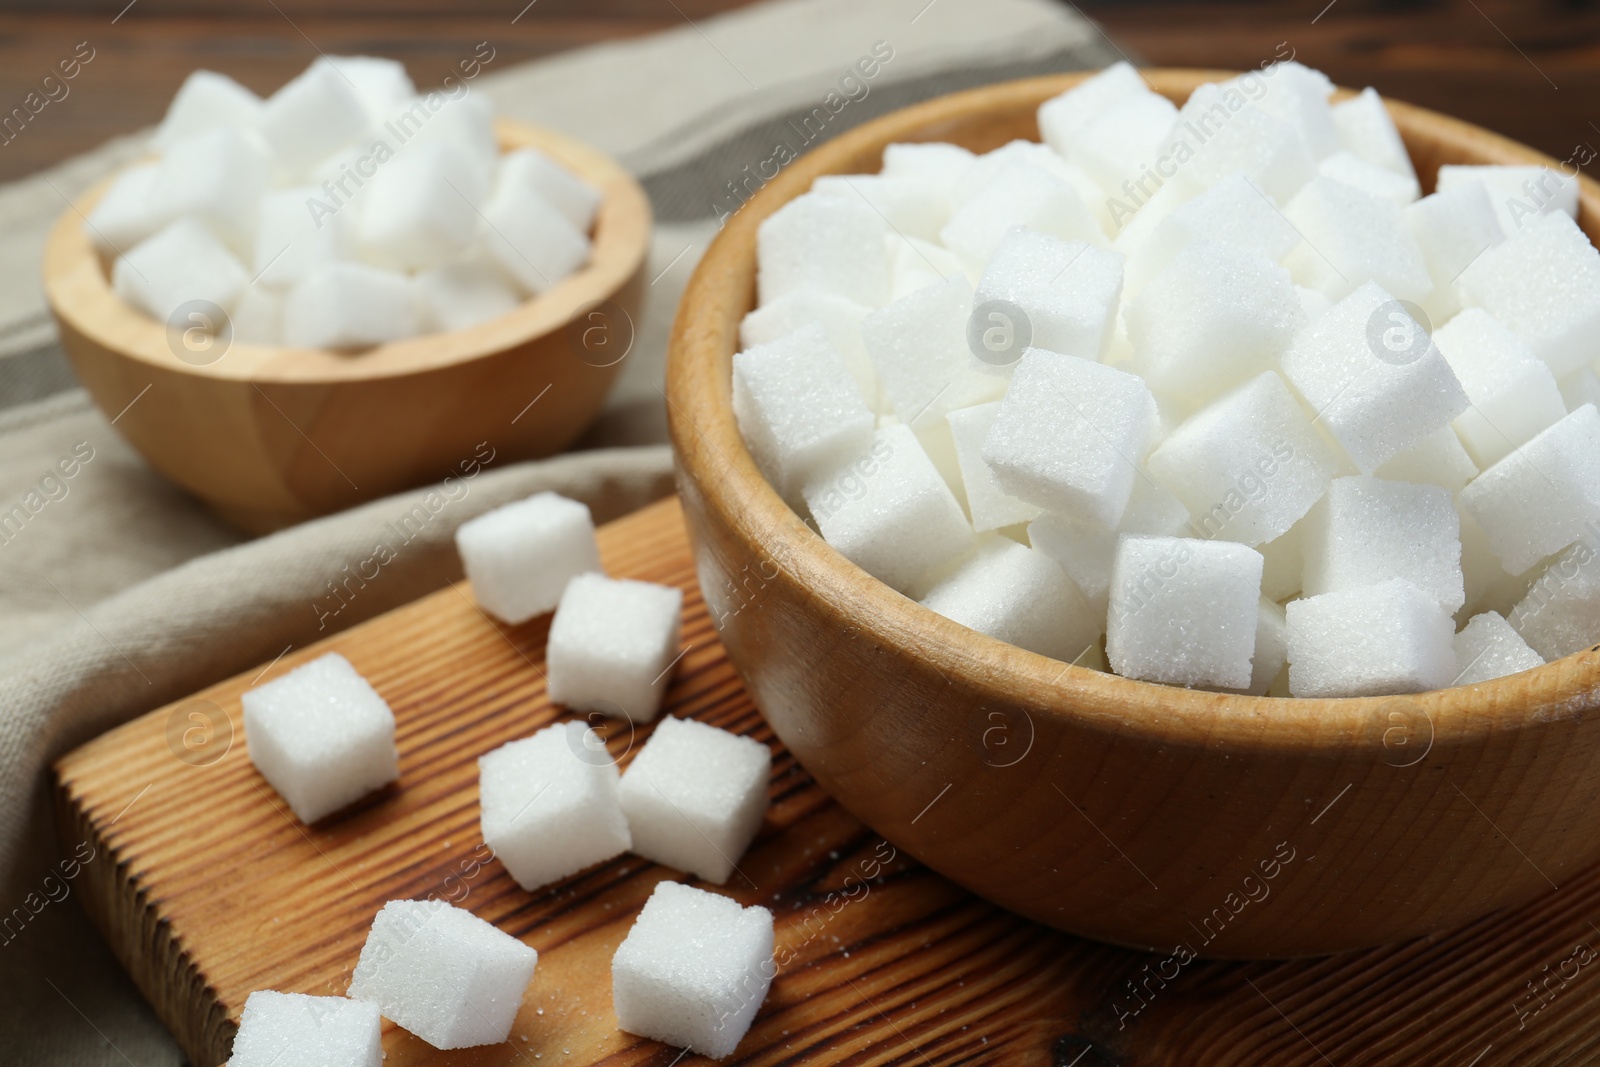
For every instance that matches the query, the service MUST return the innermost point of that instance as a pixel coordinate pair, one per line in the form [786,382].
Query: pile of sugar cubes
[343,211]
[695,967]
[1205,395]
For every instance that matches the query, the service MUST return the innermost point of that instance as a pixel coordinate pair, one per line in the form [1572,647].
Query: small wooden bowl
[1162,818]
[270,436]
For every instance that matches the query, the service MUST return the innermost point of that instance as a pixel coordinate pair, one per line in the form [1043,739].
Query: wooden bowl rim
[706,438]
[85,300]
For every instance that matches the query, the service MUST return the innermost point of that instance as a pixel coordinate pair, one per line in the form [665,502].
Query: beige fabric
[120,593]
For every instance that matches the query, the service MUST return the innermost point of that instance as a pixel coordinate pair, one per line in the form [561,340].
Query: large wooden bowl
[1184,822]
[272,435]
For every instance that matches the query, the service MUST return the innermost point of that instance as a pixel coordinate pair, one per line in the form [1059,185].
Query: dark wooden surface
[1526,68]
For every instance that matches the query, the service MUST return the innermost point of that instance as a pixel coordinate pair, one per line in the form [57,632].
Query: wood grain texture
[206,890]
[1137,810]
[272,435]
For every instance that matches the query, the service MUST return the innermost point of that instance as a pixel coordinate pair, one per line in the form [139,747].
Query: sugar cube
[294,237]
[218,177]
[1184,611]
[1067,291]
[281,1028]
[1373,377]
[1283,572]
[349,305]
[1368,530]
[798,408]
[1513,395]
[1271,653]
[1452,228]
[1560,612]
[1366,130]
[311,116]
[1062,116]
[321,736]
[827,243]
[1519,193]
[181,262]
[576,199]
[1579,388]
[1490,587]
[382,84]
[989,506]
[465,123]
[443,973]
[1112,146]
[1215,316]
[1371,178]
[551,804]
[1070,434]
[1544,283]
[612,645]
[918,346]
[1020,194]
[838,316]
[1220,133]
[1086,548]
[1299,96]
[1019,595]
[916,264]
[932,161]
[695,796]
[1353,238]
[888,510]
[457,295]
[1544,495]
[912,207]
[1248,466]
[257,316]
[520,556]
[420,210]
[693,970]
[1232,212]
[1488,647]
[1379,639]
[207,101]
[532,240]
[127,213]
[1437,459]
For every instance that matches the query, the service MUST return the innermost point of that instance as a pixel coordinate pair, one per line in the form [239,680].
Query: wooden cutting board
[208,889]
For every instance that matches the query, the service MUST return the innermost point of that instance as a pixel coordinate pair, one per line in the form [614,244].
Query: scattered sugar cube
[1513,395]
[207,101]
[1062,116]
[798,408]
[1232,212]
[316,113]
[464,293]
[1487,647]
[520,556]
[382,84]
[293,238]
[1560,612]
[1215,316]
[1368,530]
[1070,434]
[1519,193]
[285,1028]
[1218,135]
[1184,611]
[1373,377]
[1019,194]
[576,199]
[532,240]
[1375,640]
[918,346]
[321,736]
[1371,178]
[1113,145]
[349,305]
[420,210]
[612,645]
[257,317]
[694,797]
[1019,595]
[889,511]
[1544,283]
[1543,496]
[443,973]
[1452,228]
[912,207]
[1068,290]
[693,970]
[551,805]
[1366,130]
[1247,467]
[1437,459]
[826,243]
[840,317]
[1353,238]
[183,261]
[989,506]
[127,213]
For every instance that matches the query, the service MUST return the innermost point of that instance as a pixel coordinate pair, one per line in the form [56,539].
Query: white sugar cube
[575,198]
[1541,497]
[1371,178]
[182,262]
[321,736]
[1284,570]
[1373,377]
[1368,530]
[312,116]
[1062,116]
[1218,135]
[1271,653]
[1085,548]
[933,161]
[281,1028]
[1544,283]
[551,804]
[1213,317]
[918,346]
[1232,212]
[1366,130]
[827,243]
[889,511]
[1453,228]
[1247,467]
[1519,194]
[1020,194]
[257,316]
[1488,647]
[295,235]
[520,556]
[912,207]
[127,213]
[1184,611]
[420,210]
[1351,238]
[1299,96]
[837,315]
[443,973]
[349,305]
[1070,435]
[218,177]
[1371,641]
[464,293]
[989,506]
[531,239]
[1560,612]
[465,123]
[207,101]
[1437,459]
[1068,291]
[1579,388]
[1019,595]
[1115,144]
[798,408]
[693,970]
[613,644]
[695,796]
[382,84]
[1513,395]
[1490,587]
[916,264]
